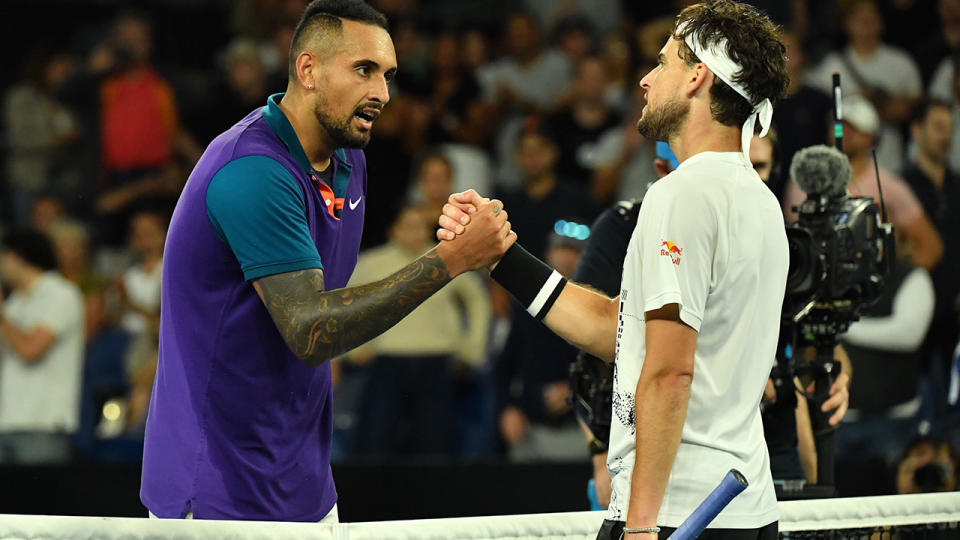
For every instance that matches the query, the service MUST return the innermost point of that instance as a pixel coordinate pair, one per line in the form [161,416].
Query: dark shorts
[611,530]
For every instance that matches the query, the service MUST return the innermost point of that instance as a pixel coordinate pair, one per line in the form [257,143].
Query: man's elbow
[673,377]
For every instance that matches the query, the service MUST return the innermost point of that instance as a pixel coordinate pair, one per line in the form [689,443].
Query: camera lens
[930,478]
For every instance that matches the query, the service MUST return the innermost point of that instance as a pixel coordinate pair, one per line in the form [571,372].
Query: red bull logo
[669,249]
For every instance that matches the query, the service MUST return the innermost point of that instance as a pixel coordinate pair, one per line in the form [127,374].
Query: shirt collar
[279,123]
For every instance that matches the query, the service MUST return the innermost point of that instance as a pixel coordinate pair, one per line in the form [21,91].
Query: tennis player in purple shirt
[263,240]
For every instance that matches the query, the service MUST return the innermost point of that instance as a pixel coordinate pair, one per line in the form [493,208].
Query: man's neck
[935,171]
[858,164]
[540,186]
[865,48]
[30,277]
[704,135]
[316,144]
[150,261]
[528,58]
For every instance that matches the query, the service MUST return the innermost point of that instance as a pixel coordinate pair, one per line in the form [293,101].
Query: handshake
[474,233]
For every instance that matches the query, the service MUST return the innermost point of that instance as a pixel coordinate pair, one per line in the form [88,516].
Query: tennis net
[897,517]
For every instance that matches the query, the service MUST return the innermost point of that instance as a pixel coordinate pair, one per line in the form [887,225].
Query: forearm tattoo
[318,325]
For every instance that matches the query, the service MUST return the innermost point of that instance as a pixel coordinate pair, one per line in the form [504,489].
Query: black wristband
[529,280]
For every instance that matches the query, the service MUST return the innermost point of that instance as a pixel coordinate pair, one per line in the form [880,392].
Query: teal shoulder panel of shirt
[256,207]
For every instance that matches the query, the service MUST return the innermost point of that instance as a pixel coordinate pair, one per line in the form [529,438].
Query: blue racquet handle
[731,486]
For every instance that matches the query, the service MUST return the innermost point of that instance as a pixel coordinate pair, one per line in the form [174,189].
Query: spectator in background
[929,465]
[604,15]
[434,183]
[140,298]
[140,284]
[407,408]
[938,190]
[578,126]
[884,348]
[529,76]
[41,353]
[545,197]
[38,132]
[273,55]
[45,212]
[941,44]
[531,376]
[953,157]
[460,121]
[573,36]
[71,244]
[139,129]
[454,90]
[242,88]
[476,49]
[885,75]
[413,52]
[804,115]
[860,127]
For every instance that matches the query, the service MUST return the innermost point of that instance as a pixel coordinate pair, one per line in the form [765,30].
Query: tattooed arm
[318,325]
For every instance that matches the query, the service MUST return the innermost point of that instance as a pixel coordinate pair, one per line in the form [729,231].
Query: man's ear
[308,69]
[699,77]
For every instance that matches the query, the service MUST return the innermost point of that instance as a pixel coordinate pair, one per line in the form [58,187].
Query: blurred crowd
[535,102]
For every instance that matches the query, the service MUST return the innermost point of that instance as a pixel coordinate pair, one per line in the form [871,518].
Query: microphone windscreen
[821,170]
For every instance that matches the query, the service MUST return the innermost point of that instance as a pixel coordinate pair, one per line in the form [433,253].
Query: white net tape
[825,514]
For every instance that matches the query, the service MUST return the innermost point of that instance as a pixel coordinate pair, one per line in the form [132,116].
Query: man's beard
[664,123]
[340,131]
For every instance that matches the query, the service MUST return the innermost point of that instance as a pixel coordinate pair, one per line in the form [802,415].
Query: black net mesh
[923,531]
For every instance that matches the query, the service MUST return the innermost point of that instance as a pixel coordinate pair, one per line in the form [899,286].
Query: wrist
[450,258]
[529,280]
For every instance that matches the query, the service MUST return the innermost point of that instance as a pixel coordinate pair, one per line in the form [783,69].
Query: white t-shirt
[142,289]
[710,237]
[539,82]
[44,395]
[889,69]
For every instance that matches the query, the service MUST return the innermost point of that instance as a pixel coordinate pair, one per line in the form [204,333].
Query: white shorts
[331,518]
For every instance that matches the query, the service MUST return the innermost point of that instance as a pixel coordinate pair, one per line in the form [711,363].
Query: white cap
[861,114]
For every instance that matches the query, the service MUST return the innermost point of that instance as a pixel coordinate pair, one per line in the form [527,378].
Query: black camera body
[840,255]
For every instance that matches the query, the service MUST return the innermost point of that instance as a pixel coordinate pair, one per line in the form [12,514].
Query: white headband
[716,58]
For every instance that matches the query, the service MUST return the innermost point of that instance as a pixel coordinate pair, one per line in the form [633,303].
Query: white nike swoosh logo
[353,204]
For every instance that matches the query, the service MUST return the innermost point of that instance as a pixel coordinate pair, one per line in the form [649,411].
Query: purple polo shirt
[239,427]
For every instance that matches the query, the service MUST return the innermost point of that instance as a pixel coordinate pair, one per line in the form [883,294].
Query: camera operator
[884,348]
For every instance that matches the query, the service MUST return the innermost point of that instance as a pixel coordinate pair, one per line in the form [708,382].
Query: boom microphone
[821,170]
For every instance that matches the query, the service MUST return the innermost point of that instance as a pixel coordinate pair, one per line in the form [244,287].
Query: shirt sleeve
[906,326]
[68,313]
[256,207]
[676,251]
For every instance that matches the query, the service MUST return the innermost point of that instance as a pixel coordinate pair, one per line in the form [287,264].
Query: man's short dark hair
[922,109]
[753,43]
[32,246]
[326,16]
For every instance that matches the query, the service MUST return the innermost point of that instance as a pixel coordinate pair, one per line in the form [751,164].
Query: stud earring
[310,86]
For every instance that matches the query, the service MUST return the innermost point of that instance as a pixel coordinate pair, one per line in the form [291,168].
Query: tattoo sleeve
[318,325]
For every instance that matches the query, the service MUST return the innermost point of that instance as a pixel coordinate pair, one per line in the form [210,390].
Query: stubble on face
[663,123]
[339,129]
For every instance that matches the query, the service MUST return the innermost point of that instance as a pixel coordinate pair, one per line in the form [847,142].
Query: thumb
[469,197]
